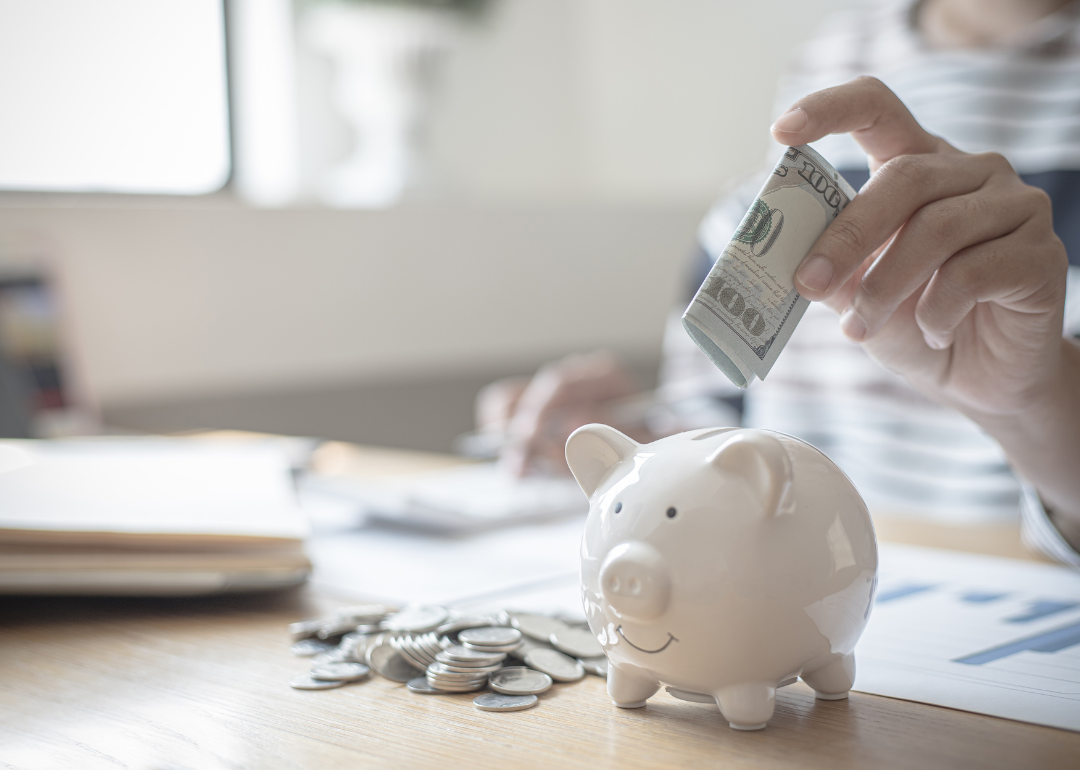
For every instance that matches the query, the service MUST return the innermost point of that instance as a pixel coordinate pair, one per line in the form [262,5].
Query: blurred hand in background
[536,416]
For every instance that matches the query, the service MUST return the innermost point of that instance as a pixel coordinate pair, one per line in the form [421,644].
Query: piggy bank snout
[635,582]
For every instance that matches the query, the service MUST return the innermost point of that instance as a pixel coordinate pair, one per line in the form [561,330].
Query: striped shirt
[904,452]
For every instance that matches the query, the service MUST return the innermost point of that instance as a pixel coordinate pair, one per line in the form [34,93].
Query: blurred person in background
[948,368]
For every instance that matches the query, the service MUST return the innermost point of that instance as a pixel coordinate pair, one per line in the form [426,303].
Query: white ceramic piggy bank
[722,563]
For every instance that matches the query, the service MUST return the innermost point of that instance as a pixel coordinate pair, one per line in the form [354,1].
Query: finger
[575,380]
[527,424]
[841,298]
[898,189]
[578,379]
[935,233]
[866,108]
[496,402]
[1017,272]
[900,346]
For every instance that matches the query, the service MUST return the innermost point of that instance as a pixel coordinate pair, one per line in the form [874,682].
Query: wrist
[1041,438]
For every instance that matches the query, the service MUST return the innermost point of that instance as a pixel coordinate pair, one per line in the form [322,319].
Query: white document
[400,567]
[469,497]
[977,633]
[145,487]
[147,516]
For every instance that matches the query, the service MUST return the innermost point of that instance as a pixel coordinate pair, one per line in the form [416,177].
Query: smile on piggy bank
[722,563]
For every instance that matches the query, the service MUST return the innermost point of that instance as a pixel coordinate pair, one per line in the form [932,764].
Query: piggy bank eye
[671,513]
[618,507]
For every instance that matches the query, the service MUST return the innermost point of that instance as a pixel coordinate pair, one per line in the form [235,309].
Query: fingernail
[935,343]
[852,326]
[791,122]
[816,274]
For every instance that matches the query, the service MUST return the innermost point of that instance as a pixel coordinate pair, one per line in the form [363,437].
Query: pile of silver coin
[517,655]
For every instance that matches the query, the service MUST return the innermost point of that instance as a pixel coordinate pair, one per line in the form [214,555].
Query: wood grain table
[201,684]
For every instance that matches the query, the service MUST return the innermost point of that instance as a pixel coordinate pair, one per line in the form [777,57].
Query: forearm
[1043,441]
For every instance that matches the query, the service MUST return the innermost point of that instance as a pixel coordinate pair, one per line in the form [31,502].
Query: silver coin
[420,650]
[305,682]
[357,637]
[527,644]
[496,702]
[434,644]
[305,629]
[404,646]
[594,666]
[459,688]
[519,680]
[462,654]
[442,672]
[559,667]
[416,619]
[450,678]
[336,655]
[355,648]
[390,663]
[490,637]
[340,672]
[338,627]
[475,670]
[469,666]
[453,678]
[356,642]
[421,685]
[366,614]
[426,647]
[488,648]
[309,648]
[577,642]
[538,627]
[454,625]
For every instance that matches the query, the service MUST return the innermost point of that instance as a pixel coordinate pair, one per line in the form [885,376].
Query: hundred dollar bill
[745,312]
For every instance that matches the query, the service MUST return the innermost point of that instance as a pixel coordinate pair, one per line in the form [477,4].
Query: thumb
[864,107]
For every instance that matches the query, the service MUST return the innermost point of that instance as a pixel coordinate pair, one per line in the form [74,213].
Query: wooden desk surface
[202,684]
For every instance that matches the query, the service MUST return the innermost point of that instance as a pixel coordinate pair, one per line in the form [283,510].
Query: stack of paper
[464,498]
[978,633]
[147,516]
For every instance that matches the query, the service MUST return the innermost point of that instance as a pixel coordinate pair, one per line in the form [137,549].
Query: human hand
[945,266]
[947,269]
[538,415]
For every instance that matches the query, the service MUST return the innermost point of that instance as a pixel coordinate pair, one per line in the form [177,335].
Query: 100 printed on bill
[747,308]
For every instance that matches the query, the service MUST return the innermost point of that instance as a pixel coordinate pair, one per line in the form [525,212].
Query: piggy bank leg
[629,687]
[833,680]
[747,706]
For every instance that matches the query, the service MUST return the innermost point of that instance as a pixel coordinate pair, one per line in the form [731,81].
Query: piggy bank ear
[760,460]
[593,450]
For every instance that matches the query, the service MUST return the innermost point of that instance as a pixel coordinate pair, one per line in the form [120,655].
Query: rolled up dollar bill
[745,312]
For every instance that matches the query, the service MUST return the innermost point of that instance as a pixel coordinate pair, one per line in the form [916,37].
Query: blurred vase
[382,57]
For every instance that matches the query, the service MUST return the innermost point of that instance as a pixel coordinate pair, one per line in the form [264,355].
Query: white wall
[643,100]
[171,302]
[575,143]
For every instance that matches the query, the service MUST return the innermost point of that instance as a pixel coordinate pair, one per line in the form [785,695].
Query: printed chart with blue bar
[977,633]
